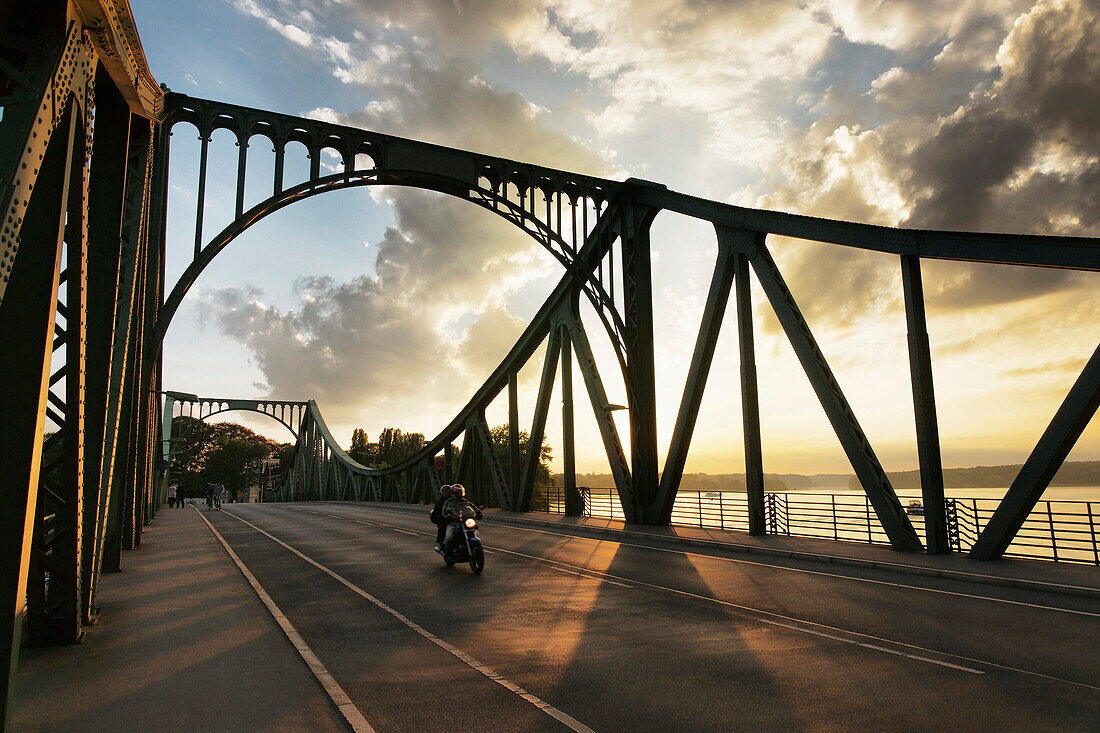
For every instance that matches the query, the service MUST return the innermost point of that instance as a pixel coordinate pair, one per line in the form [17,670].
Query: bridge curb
[959,575]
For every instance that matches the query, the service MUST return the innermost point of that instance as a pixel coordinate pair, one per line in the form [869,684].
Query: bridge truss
[84,308]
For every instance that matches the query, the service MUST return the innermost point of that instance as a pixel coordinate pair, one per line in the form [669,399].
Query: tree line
[230,454]
[219,453]
[394,447]
[1072,473]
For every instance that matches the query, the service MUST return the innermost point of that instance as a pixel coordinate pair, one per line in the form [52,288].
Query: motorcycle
[464,544]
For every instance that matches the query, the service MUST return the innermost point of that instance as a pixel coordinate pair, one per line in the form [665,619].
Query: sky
[391,306]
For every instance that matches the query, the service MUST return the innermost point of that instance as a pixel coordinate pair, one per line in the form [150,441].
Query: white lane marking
[589,577]
[336,693]
[545,707]
[792,622]
[807,572]
[843,631]
[796,621]
[789,621]
[351,519]
[554,564]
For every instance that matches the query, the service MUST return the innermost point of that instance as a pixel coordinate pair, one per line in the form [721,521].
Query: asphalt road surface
[566,632]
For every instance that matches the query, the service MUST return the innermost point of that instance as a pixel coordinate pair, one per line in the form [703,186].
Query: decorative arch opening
[515,208]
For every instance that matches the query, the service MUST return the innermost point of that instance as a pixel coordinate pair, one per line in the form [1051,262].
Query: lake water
[1053,493]
[1063,524]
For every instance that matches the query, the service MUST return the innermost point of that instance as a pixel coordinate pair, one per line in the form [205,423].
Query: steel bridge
[84,308]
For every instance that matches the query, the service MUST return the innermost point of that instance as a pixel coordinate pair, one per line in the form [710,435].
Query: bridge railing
[1064,531]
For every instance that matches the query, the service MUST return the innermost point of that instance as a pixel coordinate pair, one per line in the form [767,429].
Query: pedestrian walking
[172,495]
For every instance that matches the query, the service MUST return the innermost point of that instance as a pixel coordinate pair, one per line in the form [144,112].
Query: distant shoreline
[1073,474]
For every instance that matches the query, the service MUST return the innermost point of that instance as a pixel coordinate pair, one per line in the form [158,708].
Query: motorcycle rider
[451,512]
[437,516]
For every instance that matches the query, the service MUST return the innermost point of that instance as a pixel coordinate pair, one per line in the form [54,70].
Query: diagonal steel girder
[860,454]
[730,266]
[1050,452]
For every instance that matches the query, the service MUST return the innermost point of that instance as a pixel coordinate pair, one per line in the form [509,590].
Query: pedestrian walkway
[1051,577]
[183,644]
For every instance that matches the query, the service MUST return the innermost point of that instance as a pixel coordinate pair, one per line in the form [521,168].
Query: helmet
[458,490]
[445,490]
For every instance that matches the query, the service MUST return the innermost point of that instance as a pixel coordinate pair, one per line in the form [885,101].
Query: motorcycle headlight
[471,523]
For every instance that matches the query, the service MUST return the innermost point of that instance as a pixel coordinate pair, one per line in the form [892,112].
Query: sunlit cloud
[975,115]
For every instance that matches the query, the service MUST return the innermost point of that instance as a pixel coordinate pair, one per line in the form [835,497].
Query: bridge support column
[538,422]
[27,316]
[709,327]
[641,390]
[750,401]
[569,463]
[110,178]
[860,454]
[513,437]
[936,538]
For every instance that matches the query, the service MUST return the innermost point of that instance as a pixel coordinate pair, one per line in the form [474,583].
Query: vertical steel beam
[27,314]
[149,437]
[280,157]
[642,391]
[750,401]
[936,539]
[465,458]
[569,461]
[538,422]
[106,288]
[856,446]
[204,136]
[491,461]
[126,512]
[242,164]
[1050,452]
[709,328]
[53,603]
[513,434]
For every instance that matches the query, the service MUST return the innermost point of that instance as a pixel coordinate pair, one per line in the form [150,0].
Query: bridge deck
[645,633]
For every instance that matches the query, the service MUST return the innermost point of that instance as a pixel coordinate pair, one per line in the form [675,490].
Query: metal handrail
[1058,530]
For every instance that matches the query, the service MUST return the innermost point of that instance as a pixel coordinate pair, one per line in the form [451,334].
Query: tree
[392,448]
[501,440]
[224,452]
[395,446]
[362,450]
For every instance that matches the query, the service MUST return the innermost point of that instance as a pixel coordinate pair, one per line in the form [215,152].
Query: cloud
[484,344]
[906,26]
[450,105]
[381,340]
[975,115]
[997,132]
[1066,366]
[432,322]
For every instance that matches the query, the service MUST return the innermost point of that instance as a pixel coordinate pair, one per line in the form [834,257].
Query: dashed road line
[803,571]
[796,624]
[554,564]
[589,577]
[553,712]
